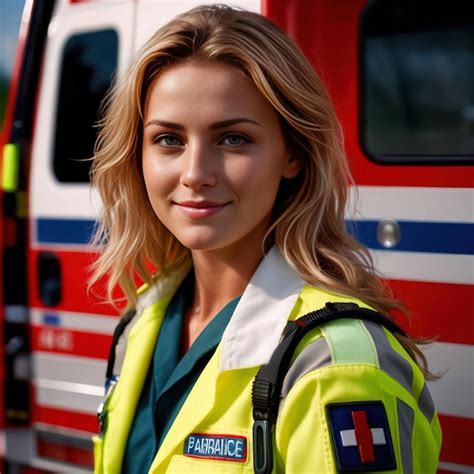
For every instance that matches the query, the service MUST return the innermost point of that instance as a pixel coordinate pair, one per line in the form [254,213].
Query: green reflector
[11,165]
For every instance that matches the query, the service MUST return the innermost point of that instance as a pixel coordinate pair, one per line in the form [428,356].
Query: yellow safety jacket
[352,399]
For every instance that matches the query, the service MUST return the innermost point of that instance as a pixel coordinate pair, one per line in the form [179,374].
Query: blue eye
[235,139]
[169,141]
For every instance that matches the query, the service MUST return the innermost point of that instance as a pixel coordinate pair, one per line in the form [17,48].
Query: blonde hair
[308,222]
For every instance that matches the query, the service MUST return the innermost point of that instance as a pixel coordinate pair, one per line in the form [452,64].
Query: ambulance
[401,74]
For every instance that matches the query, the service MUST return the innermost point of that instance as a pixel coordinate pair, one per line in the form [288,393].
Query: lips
[201,204]
[200,209]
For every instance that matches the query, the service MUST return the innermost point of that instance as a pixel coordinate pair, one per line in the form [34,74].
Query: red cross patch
[361,436]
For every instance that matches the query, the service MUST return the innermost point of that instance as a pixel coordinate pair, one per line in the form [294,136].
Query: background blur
[10,16]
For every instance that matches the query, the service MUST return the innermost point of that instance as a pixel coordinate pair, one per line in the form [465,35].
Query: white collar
[261,314]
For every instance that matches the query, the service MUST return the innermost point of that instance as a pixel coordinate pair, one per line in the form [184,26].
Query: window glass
[88,64]
[417,81]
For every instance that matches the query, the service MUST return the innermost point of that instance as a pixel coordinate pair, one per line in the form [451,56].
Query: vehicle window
[88,64]
[417,81]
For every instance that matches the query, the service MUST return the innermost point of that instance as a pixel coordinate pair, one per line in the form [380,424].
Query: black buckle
[262,397]
[263,393]
[262,447]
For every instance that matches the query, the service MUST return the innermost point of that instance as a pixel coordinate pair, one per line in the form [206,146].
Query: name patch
[213,446]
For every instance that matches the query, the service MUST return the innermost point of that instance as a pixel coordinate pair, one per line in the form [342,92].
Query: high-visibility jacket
[352,398]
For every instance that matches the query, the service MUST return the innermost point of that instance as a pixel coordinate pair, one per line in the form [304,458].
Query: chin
[208,243]
[201,242]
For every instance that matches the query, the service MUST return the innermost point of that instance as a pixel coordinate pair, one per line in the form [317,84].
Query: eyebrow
[214,126]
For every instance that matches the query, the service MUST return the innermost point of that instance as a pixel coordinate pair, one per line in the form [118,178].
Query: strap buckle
[101,410]
[262,447]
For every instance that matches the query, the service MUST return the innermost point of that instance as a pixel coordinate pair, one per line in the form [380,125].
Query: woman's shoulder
[356,346]
[349,373]
[313,297]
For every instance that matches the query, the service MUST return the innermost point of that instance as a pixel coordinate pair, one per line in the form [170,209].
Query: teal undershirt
[170,379]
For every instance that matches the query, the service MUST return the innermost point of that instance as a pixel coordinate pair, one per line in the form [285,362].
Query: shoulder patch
[360,436]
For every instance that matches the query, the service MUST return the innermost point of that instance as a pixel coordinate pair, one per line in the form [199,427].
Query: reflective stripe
[406,420]
[11,167]
[425,403]
[312,357]
[349,342]
[389,359]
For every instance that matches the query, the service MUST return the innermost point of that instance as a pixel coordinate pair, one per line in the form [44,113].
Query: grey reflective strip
[425,403]
[312,357]
[406,420]
[121,346]
[389,359]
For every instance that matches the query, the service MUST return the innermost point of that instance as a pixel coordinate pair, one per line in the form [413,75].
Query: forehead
[207,90]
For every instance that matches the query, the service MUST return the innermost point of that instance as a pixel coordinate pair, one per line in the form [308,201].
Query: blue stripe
[435,237]
[51,320]
[65,231]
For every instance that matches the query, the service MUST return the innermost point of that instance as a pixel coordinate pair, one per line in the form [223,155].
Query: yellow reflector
[11,167]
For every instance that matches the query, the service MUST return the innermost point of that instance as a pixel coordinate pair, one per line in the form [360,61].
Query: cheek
[158,178]
[262,174]
[253,171]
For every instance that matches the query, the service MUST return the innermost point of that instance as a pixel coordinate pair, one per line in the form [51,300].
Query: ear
[292,167]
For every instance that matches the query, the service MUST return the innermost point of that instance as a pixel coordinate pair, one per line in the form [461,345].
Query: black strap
[268,382]
[119,329]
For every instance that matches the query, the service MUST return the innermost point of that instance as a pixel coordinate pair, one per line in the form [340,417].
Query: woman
[221,169]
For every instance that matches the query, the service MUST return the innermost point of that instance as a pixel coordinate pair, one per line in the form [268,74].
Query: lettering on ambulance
[50,339]
[219,447]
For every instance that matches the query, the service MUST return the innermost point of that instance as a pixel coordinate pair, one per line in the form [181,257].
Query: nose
[198,167]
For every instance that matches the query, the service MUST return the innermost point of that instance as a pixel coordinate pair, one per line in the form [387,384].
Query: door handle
[49,279]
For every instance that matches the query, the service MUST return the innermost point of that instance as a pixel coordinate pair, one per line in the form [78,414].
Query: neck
[221,276]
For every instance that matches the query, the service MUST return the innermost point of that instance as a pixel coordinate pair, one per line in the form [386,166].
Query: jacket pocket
[98,443]
[180,463]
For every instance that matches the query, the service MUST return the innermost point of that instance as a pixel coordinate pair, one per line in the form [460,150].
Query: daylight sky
[10,16]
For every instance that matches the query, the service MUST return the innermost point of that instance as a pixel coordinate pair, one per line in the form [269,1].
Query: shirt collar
[261,315]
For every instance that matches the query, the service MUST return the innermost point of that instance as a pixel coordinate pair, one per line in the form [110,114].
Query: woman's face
[213,156]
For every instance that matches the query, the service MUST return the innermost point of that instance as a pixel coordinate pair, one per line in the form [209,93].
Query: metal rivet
[388,233]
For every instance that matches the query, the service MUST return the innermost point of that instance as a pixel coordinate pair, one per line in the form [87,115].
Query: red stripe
[440,310]
[363,437]
[60,341]
[457,432]
[74,277]
[65,453]
[66,418]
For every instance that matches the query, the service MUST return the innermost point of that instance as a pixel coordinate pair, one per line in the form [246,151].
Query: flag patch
[361,436]
[213,446]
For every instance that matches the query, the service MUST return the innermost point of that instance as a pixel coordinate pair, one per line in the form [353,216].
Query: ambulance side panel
[414,203]
[70,331]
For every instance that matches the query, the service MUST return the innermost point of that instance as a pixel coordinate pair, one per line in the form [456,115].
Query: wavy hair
[308,219]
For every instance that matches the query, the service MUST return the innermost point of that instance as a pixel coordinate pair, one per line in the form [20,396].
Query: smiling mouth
[200,209]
